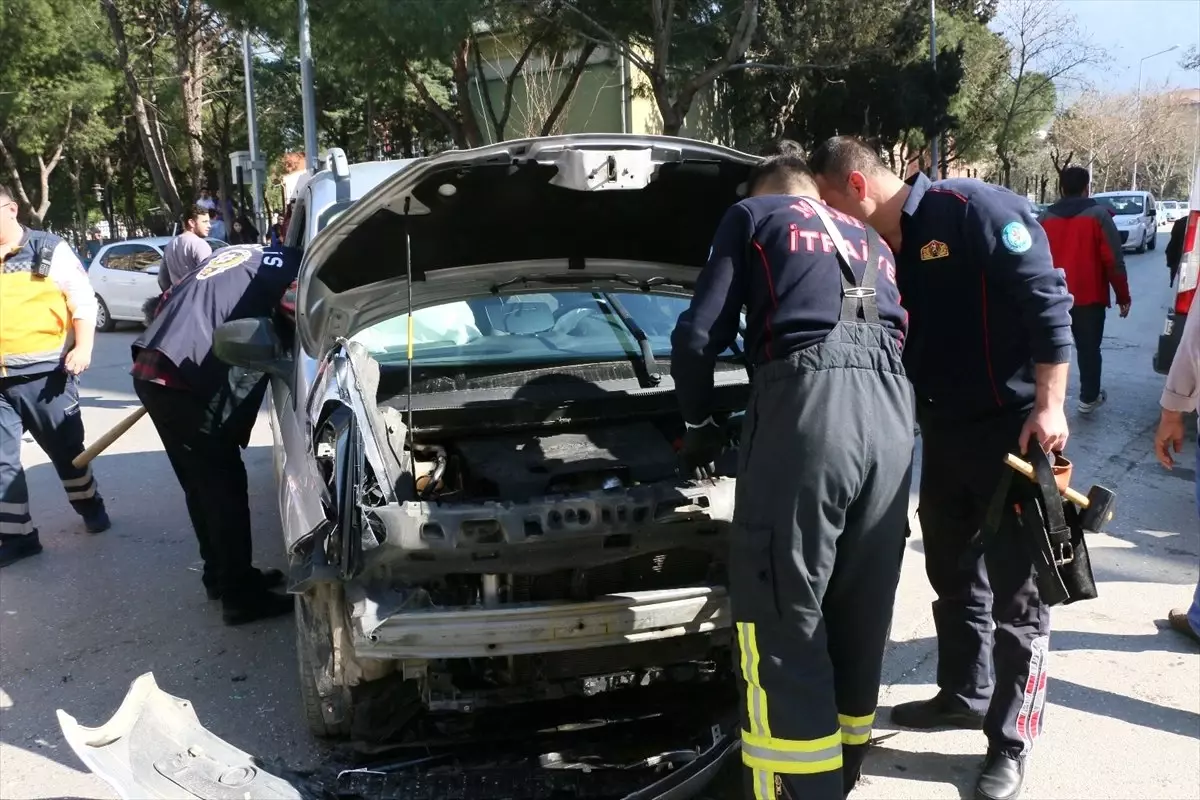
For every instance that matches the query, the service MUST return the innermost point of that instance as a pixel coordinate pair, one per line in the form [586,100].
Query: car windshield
[331,213]
[1122,203]
[528,328]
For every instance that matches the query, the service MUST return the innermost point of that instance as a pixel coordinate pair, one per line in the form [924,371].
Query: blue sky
[1130,29]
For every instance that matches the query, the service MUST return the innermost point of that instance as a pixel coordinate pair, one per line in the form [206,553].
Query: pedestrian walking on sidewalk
[987,352]
[46,301]
[825,465]
[1086,246]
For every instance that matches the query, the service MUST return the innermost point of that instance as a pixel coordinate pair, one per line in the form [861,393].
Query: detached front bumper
[155,747]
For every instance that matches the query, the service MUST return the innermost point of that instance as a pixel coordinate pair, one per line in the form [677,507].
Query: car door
[131,278]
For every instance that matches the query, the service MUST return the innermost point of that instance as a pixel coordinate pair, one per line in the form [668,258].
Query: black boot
[265,579]
[255,605]
[13,548]
[940,711]
[96,520]
[1002,777]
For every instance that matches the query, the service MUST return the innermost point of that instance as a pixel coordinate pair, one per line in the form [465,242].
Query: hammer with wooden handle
[110,436]
[1097,505]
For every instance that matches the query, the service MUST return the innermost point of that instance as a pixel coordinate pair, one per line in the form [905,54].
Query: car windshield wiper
[591,277]
[647,367]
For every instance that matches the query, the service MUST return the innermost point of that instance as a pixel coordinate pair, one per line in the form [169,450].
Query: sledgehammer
[1097,506]
[111,435]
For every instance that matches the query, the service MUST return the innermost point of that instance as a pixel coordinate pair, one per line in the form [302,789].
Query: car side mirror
[252,343]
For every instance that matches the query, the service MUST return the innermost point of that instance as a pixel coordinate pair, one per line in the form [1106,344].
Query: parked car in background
[1136,217]
[1170,210]
[1185,287]
[124,276]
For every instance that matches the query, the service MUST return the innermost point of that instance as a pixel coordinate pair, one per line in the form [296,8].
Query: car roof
[1120,192]
[157,241]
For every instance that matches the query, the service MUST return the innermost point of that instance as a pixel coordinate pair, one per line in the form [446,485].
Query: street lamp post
[933,144]
[1137,133]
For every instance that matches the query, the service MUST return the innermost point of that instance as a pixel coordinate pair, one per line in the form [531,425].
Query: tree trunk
[453,126]
[148,129]
[568,90]
[76,175]
[189,60]
[462,91]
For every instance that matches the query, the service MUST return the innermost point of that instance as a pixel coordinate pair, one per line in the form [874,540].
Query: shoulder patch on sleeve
[226,258]
[1016,238]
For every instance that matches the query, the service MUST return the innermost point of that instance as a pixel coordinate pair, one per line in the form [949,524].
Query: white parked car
[124,276]
[1135,214]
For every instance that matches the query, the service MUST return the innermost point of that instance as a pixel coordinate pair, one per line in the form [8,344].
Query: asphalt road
[82,620]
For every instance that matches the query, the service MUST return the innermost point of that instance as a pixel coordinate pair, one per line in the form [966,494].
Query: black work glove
[702,444]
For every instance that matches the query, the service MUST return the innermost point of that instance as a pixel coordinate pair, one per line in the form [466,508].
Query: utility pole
[933,143]
[256,166]
[308,98]
[1137,131]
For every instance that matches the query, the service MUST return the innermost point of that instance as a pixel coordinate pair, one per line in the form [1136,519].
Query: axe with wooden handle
[111,435]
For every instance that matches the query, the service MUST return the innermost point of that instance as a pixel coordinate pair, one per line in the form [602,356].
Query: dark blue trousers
[46,405]
[993,630]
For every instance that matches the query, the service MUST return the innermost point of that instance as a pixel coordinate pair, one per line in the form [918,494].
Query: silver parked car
[487,531]
[124,276]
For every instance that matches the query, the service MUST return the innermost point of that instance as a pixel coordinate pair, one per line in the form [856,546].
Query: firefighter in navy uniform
[204,410]
[823,474]
[988,352]
[45,297]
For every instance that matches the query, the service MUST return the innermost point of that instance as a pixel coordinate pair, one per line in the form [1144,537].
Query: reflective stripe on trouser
[812,582]
[14,494]
[47,405]
[974,592]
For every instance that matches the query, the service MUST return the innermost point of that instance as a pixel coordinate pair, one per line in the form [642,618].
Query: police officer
[823,473]
[45,297]
[204,410]
[988,352]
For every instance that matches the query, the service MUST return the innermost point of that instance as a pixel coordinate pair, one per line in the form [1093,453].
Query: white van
[1135,214]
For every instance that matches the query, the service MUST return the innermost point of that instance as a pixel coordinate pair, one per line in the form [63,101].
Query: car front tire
[1141,248]
[1153,243]
[315,655]
[104,321]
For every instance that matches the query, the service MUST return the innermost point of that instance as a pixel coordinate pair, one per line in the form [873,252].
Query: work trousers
[1002,673]
[819,531]
[1087,326]
[47,405]
[207,460]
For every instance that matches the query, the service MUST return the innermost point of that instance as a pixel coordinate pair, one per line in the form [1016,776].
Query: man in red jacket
[1085,245]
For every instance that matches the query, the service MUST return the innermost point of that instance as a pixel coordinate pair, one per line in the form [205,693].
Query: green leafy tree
[1047,50]
[55,84]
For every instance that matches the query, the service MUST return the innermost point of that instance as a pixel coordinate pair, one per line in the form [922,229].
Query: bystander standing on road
[206,201]
[1086,246]
[92,248]
[1174,248]
[186,251]
[1180,396]
[217,229]
[45,296]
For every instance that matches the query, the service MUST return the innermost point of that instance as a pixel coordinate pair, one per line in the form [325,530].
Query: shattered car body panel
[154,747]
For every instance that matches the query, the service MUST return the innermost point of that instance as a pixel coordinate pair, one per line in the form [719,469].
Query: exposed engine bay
[512,564]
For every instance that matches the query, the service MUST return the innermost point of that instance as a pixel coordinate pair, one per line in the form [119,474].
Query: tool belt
[1050,528]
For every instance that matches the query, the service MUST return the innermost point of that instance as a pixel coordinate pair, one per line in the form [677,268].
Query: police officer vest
[34,320]
[234,283]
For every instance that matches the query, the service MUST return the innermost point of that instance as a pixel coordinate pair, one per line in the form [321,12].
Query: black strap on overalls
[859,302]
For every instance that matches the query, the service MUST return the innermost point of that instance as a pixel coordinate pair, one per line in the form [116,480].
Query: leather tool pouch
[1050,530]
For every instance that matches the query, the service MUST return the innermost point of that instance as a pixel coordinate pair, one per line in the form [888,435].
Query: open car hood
[595,211]
[155,747]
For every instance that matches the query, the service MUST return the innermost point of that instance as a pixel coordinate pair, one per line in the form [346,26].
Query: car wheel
[319,663]
[104,320]
[1141,248]
[1153,243]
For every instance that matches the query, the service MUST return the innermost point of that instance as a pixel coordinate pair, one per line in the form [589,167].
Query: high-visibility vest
[34,320]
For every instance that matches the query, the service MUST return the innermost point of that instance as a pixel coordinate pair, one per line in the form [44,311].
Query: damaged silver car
[476,442]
